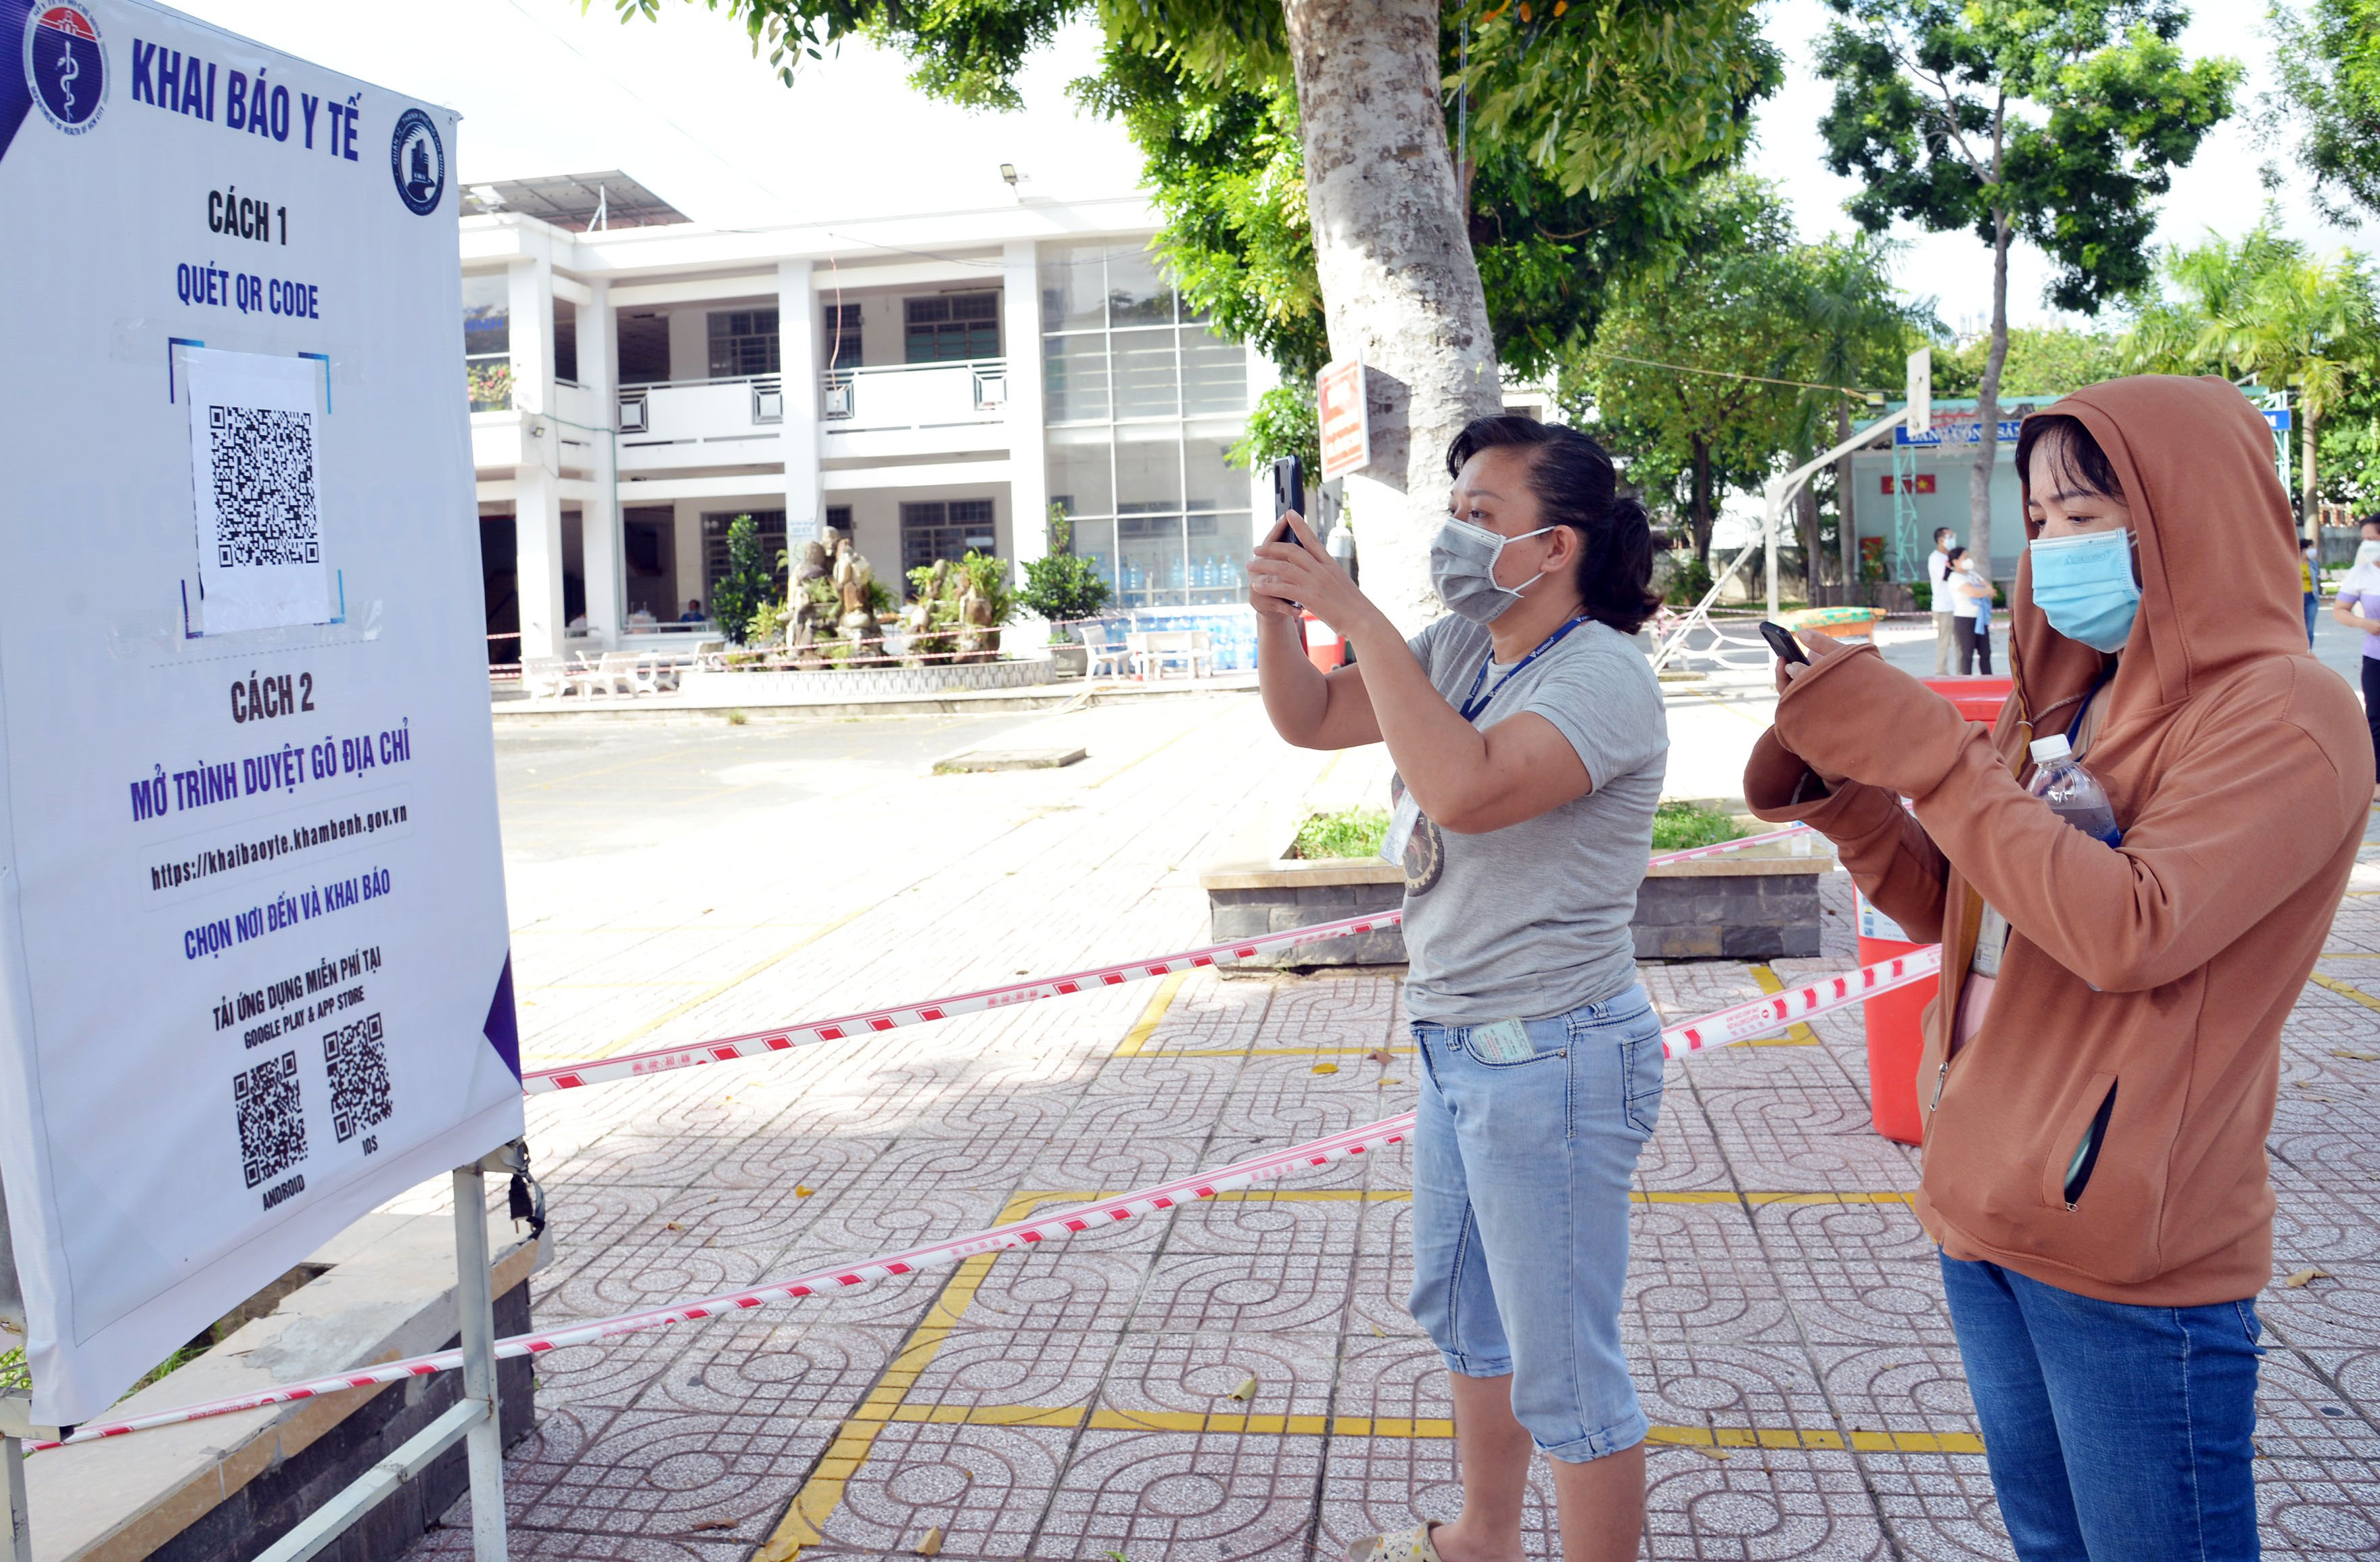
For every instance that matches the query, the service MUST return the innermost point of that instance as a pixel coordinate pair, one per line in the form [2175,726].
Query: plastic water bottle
[2072,792]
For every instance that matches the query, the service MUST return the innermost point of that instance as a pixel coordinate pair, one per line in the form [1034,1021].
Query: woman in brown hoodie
[2101,1065]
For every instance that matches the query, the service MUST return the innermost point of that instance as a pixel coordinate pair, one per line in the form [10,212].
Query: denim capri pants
[1521,1166]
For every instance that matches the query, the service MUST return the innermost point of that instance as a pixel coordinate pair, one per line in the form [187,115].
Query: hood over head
[2217,549]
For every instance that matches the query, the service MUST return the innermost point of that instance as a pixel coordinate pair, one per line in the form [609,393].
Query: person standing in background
[2358,607]
[2310,577]
[1971,598]
[1946,620]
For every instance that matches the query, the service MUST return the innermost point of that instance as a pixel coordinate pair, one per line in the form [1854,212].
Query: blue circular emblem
[65,70]
[416,160]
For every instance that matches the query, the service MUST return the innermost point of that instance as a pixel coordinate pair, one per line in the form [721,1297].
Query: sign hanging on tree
[1346,422]
[253,967]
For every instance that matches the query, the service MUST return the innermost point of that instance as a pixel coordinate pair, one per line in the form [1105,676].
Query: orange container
[1323,646]
[1896,1039]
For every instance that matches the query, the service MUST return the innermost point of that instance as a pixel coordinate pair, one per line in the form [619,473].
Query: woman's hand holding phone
[1821,650]
[1291,571]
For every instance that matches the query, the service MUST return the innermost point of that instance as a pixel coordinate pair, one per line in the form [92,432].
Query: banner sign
[1346,418]
[253,968]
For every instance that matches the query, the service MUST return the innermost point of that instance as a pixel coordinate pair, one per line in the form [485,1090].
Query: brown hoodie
[2160,970]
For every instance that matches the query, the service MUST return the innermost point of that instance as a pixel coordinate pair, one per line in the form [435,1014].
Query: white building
[929,384]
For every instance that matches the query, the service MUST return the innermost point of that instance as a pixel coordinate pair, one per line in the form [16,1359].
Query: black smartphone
[1780,640]
[1288,493]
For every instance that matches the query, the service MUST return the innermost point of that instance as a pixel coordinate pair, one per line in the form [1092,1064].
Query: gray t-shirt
[1532,920]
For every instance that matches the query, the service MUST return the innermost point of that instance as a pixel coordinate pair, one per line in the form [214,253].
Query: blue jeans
[1521,1166]
[2156,1404]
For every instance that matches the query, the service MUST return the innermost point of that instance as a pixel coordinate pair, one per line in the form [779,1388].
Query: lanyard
[1474,702]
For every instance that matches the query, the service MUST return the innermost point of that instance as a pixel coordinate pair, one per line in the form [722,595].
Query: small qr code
[272,1127]
[358,1061]
[264,466]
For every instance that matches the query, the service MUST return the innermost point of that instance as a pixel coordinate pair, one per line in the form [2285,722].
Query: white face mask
[1462,569]
[2368,554]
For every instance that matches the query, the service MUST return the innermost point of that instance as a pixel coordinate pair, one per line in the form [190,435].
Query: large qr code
[264,466]
[272,1128]
[358,1061]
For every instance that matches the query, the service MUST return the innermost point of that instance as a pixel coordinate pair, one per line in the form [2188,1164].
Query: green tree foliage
[1283,422]
[2043,360]
[2265,308]
[2055,121]
[2328,60]
[1708,371]
[1227,168]
[746,586]
[1062,585]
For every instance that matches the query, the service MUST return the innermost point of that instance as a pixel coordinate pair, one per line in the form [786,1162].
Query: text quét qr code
[263,460]
[357,1060]
[272,1122]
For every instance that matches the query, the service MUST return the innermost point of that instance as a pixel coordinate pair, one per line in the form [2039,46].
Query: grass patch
[1679,827]
[12,1371]
[1348,832]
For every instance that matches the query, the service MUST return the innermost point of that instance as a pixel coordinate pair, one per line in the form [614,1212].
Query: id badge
[1401,829]
[1503,1041]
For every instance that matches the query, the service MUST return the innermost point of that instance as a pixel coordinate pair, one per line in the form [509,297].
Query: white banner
[253,969]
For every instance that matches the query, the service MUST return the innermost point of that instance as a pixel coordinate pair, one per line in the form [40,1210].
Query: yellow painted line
[1258,1424]
[1271,1052]
[1136,1040]
[1729,1195]
[2343,990]
[1797,1033]
[718,989]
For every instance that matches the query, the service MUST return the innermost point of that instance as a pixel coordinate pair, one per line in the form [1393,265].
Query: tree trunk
[2311,519]
[1399,284]
[1846,532]
[1699,513]
[1988,403]
[1806,504]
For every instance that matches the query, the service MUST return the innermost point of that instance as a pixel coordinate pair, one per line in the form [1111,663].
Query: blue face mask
[2084,585]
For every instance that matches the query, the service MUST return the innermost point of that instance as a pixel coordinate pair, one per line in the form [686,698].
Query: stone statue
[975,612]
[852,576]
[809,566]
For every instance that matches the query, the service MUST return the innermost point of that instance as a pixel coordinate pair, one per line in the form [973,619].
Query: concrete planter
[1759,904]
[1070,662]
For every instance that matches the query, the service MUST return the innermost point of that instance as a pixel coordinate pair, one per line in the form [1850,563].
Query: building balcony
[681,423]
[919,409]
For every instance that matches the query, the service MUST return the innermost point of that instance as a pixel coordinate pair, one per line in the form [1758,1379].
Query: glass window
[951,327]
[1149,566]
[1148,383]
[839,347]
[1148,473]
[1135,296]
[1214,483]
[1074,288]
[945,529]
[1079,479]
[487,315]
[1219,549]
[1214,373]
[743,342]
[1095,541]
[1075,378]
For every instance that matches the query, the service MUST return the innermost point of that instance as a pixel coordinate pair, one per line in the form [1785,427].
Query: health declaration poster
[253,968]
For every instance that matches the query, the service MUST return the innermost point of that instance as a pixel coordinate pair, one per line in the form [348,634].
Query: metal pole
[484,1444]
[1772,502]
[21,1512]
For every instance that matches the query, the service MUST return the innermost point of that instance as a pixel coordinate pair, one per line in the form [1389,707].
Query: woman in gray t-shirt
[1529,740]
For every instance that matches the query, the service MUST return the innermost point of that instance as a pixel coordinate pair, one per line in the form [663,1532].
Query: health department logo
[64,69]
[416,160]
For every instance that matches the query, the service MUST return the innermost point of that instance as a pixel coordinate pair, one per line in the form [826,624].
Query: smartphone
[1288,493]
[1780,640]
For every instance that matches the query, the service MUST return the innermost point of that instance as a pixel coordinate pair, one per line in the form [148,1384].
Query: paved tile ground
[1238,1379]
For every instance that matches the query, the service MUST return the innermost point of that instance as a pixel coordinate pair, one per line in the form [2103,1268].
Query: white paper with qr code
[255,970]
[262,563]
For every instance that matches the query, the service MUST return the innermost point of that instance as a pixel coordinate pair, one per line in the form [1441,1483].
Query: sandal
[1412,1546]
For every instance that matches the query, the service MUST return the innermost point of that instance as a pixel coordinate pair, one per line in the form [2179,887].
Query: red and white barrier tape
[726,1049]
[1744,1021]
